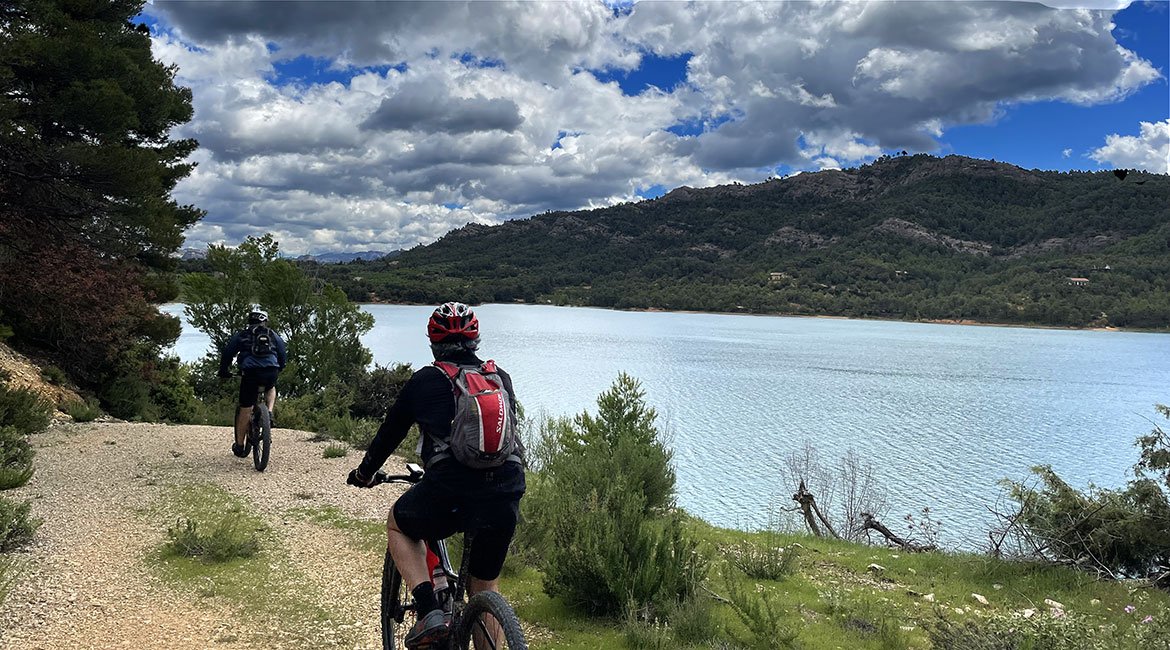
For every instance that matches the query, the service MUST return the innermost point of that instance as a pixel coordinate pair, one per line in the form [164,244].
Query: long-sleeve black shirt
[428,398]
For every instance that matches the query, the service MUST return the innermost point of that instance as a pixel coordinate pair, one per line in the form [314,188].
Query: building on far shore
[1078,282]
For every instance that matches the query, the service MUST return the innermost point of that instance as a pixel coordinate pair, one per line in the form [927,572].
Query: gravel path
[98,487]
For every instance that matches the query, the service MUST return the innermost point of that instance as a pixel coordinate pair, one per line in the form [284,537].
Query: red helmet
[451,320]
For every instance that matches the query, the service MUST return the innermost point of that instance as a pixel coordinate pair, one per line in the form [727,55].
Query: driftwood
[812,514]
[869,522]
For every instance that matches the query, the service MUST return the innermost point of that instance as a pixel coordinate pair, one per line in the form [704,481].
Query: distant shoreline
[938,321]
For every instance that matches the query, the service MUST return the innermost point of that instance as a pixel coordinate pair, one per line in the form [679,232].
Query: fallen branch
[869,522]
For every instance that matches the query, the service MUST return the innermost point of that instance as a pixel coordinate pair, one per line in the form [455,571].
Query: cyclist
[261,354]
[451,497]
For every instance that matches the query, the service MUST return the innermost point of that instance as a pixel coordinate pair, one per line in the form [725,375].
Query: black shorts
[453,499]
[252,379]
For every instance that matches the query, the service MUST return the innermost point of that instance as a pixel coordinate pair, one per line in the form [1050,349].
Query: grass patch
[17,525]
[335,450]
[220,540]
[84,411]
[262,585]
[367,536]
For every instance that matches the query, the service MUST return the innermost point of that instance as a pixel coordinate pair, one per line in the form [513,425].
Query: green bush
[766,560]
[54,375]
[17,525]
[375,390]
[335,450]
[1116,531]
[127,397]
[16,458]
[83,411]
[218,540]
[23,409]
[598,511]
[760,613]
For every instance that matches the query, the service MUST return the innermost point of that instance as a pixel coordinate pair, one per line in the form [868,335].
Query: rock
[875,568]
[1028,613]
[980,599]
[1095,601]
[1053,604]
[912,571]
[928,598]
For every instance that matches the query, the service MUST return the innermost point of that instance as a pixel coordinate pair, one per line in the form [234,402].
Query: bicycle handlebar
[415,475]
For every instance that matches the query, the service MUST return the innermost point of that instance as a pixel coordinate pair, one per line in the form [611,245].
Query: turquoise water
[943,412]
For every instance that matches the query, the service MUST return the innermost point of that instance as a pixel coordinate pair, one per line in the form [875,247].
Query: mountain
[908,237]
[336,258]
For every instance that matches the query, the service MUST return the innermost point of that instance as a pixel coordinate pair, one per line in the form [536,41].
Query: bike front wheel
[488,623]
[397,607]
[261,437]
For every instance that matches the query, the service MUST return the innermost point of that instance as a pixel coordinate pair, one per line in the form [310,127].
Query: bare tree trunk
[812,514]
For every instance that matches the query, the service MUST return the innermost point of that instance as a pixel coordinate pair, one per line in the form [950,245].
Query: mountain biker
[261,354]
[451,496]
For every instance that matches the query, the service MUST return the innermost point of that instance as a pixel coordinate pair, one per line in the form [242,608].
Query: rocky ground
[89,580]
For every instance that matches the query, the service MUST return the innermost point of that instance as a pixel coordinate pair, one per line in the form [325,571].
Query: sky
[353,126]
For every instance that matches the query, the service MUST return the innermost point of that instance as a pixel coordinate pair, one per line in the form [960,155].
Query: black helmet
[257,317]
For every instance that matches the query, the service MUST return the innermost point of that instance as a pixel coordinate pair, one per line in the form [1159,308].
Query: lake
[943,412]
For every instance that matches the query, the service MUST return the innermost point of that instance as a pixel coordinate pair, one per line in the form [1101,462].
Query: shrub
[23,409]
[598,511]
[375,390]
[335,450]
[766,560]
[17,525]
[84,411]
[16,457]
[760,613]
[218,540]
[54,375]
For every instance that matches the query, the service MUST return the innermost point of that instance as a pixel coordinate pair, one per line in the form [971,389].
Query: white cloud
[1066,153]
[1148,151]
[452,109]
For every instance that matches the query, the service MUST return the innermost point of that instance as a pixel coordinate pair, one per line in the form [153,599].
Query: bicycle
[259,438]
[473,620]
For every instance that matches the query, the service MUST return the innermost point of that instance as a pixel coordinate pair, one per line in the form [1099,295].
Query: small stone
[875,568]
[1053,604]
[980,599]
[997,586]
[1095,601]
[912,571]
[1028,613]
[928,598]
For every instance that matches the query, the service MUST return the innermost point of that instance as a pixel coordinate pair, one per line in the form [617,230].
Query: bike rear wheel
[260,436]
[488,623]
[397,607]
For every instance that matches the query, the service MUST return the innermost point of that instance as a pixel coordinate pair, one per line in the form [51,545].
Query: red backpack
[483,431]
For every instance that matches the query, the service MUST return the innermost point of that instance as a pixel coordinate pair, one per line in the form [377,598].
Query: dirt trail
[87,581]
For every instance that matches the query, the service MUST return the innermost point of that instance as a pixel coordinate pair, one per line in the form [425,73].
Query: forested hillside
[907,237]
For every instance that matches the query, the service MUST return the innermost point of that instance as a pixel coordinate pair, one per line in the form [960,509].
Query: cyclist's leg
[489,549]
[247,400]
[270,397]
[422,512]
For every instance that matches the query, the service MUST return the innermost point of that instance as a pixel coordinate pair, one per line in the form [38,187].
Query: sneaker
[430,631]
[239,450]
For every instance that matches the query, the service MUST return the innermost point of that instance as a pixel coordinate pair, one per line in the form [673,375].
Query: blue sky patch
[665,73]
[699,126]
[313,71]
[561,135]
[652,192]
[473,61]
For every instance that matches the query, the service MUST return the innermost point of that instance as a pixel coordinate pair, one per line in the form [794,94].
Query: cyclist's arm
[393,431]
[281,355]
[229,353]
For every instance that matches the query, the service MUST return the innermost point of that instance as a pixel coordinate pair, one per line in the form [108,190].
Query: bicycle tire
[491,604]
[396,604]
[262,445]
